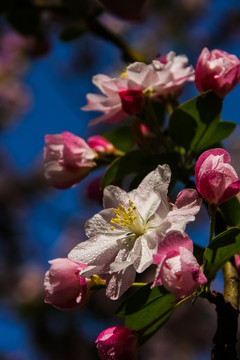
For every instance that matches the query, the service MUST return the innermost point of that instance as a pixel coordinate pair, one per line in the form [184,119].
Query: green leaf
[147,307]
[192,123]
[222,248]
[122,166]
[231,211]
[121,138]
[216,134]
[71,33]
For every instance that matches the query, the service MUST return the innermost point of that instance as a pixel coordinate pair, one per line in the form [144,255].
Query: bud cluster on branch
[167,144]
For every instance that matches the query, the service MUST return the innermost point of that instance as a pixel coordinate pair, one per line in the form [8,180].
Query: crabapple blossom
[124,96]
[178,270]
[100,145]
[173,71]
[117,343]
[68,159]
[217,70]
[65,288]
[216,179]
[124,236]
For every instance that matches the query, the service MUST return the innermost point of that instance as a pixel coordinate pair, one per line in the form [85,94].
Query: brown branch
[225,338]
[99,29]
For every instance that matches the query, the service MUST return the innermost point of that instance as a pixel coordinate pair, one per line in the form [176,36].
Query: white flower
[165,75]
[124,236]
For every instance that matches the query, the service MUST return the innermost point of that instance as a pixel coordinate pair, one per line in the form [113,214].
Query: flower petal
[119,282]
[187,205]
[152,191]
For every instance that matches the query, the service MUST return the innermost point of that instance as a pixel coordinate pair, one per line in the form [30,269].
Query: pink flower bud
[68,159]
[117,343]
[217,70]
[133,10]
[100,145]
[216,179]
[132,101]
[178,270]
[65,288]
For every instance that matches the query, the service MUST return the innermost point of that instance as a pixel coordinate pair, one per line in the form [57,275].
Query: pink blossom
[68,159]
[124,96]
[124,236]
[117,343]
[101,145]
[65,288]
[216,179]
[173,71]
[178,270]
[217,70]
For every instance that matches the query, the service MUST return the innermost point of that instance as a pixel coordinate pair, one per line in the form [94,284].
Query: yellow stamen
[124,74]
[124,217]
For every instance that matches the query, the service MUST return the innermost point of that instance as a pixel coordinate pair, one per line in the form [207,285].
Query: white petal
[187,205]
[100,224]
[146,249]
[99,251]
[152,191]
[119,282]
[113,196]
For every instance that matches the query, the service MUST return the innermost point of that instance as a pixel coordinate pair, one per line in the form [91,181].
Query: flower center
[124,74]
[128,218]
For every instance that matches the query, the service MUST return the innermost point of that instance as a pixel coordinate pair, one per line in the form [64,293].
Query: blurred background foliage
[49,50]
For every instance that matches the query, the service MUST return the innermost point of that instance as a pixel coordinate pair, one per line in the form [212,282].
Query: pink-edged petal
[96,102]
[106,84]
[187,205]
[114,116]
[58,177]
[171,243]
[232,190]
[218,151]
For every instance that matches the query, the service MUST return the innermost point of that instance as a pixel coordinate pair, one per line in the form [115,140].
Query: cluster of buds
[142,227]
[69,159]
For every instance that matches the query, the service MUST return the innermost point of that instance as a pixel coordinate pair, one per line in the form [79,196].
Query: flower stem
[212,211]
